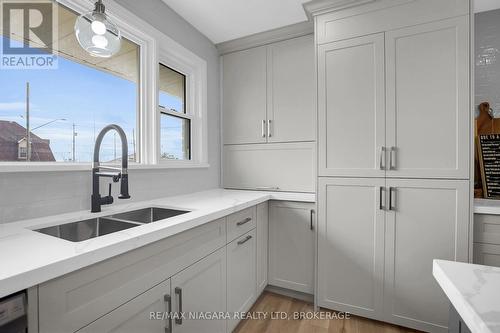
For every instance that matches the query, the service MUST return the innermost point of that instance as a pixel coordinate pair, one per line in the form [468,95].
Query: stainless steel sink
[148,215]
[86,229]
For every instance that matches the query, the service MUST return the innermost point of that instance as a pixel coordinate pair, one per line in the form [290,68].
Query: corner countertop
[30,258]
[473,290]
[487,206]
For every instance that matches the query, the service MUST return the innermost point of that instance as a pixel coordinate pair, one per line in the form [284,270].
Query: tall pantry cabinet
[393,154]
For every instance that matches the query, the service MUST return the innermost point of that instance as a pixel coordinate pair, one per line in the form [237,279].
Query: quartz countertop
[487,206]
[30,258]
[473,290]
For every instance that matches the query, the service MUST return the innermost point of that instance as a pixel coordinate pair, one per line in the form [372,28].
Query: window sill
[15,167]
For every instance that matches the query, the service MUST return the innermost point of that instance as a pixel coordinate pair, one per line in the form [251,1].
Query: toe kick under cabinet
[199,271]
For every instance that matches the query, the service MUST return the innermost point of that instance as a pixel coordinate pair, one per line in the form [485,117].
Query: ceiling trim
[266,37]
[315,7]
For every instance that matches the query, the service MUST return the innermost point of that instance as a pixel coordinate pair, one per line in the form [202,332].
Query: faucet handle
[109,190]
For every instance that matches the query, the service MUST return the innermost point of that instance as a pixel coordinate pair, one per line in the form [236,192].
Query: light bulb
[98,27]
[99,41]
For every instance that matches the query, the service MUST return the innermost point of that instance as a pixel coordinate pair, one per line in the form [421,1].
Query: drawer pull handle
[392,195]
[311,226]
[178,319]
[168,301]
[243,241]
[248,219]
[382,158]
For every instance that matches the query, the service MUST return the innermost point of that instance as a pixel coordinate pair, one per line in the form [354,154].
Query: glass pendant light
[97,34]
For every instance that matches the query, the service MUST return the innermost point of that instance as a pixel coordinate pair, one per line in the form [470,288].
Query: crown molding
[266,37]
[316,7]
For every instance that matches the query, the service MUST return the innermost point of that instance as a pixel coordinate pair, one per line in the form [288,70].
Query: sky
[86,97]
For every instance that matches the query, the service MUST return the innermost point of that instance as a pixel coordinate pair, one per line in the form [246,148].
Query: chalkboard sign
[489,162]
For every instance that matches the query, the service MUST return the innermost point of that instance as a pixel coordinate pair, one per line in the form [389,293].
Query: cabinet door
[351,107]
[291,246]
[262,236]
[351,245]
[427,219]
[487,254]
[241,285]
[291,90]
[201,288]
[428,113]
[244,96]
[146,314]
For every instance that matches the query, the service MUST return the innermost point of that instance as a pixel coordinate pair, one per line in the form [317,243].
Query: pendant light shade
[97,34]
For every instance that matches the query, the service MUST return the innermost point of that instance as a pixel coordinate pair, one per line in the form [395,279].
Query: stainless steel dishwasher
[14,313]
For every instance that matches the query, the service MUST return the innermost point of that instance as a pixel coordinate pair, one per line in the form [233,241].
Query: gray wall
[34,194]
[487,60]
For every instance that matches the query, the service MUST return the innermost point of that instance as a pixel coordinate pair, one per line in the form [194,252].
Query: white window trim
[155,47]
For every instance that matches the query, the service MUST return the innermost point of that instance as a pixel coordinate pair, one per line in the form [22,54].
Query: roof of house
[11,133]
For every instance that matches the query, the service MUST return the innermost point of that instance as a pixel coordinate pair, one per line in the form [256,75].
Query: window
[175,123]
[69,104]
[162,108]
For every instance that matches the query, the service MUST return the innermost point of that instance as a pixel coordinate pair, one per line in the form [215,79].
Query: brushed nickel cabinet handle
[248,219]
[168,301]
[311,225]
[392,158]
[382,158]
[391,198]
[269,126]
[263,128]
[243,241]
[178,292]
[381,198]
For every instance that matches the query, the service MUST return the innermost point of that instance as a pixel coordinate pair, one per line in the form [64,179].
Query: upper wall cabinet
[290,98]
[244,97]
[414,123]
[428,114]
[352,107]
[269,93]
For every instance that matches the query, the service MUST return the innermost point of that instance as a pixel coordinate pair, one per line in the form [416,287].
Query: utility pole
[74,139]
[28,132]
[133,144]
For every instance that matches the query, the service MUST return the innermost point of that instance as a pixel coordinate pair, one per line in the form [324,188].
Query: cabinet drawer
[487,229]
[240,223]
[487,254]
[74,300]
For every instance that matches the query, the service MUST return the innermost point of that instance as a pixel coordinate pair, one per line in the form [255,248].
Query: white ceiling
[223,20]
[484,5]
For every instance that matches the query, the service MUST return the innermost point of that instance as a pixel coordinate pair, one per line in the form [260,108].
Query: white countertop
[486,206]
[474,291]
[30,258]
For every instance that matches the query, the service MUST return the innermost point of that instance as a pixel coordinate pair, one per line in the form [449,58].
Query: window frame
[155,47]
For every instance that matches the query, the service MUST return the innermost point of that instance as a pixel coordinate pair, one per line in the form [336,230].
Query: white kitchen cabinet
[291,245]
[269,93]
[241,276]
[291,90]
[487,254]
[351,107]
[135,315]
[351,245]
[428,116]
[262,241]
[426,220]
[244,99]
[200,288]
[72,301]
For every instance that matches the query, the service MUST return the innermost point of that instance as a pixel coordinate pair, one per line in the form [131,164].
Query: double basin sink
[99,226]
